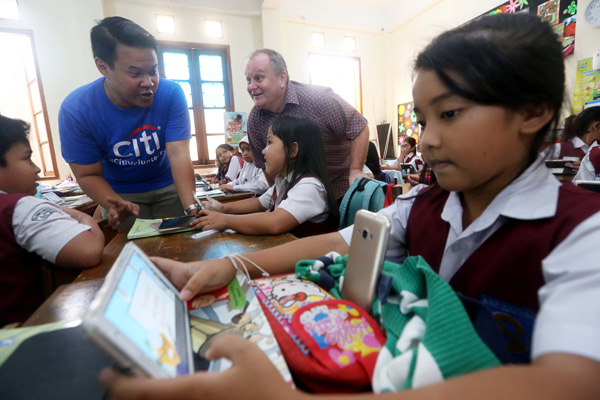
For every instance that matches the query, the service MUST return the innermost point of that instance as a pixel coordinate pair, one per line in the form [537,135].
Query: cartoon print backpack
[365,193]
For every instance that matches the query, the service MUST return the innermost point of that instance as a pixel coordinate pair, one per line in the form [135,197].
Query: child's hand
[210,220]
[196,277]
[226,188]
[575,165]
[413,179]
[252,377]
[213,205]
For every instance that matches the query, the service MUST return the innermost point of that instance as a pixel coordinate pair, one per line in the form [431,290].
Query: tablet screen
[146,311]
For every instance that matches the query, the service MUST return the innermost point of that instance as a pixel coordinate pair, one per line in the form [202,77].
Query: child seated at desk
[230,164]
[251,179]
[588,123]
[301,201]
[408,155]
[32,229]
[497,223]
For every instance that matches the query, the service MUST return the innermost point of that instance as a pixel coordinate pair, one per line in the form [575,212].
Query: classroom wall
[297,44]
[61,39]
[404,43]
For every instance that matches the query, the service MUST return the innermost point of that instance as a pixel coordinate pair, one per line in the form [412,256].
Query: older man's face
[265,87]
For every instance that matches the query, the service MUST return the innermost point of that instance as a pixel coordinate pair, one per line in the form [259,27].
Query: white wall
[61,38]
[403,44]
[297,44]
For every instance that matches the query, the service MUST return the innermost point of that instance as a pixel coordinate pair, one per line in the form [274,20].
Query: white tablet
[139,320]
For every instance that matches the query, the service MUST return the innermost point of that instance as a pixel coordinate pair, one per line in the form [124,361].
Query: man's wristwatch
[190,208]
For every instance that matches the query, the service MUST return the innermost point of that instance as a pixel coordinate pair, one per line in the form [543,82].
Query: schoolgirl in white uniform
[301,200]
[230,164]
[588,123]
[485,95]
[408,155]
[251,179]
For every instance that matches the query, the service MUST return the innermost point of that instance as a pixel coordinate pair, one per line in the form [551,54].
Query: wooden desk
[234,196]
[72,301]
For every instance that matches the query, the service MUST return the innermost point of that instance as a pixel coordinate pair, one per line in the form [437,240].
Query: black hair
[585,119]
[226,147]
[372,161]
[220,171]
[12,131]
[412,141]
[511,60]
[111,31]
[569,128]
[310,159]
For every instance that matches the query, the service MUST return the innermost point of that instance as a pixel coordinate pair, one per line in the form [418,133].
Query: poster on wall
[587,84]
[407,122]
[561,14]
[235,127]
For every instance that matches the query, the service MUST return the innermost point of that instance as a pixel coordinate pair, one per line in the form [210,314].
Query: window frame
[193,51]
[49,174]
[359,83]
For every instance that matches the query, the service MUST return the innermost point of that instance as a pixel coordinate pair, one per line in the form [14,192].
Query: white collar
[533,195]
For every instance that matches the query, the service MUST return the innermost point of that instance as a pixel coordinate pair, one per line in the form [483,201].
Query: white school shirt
[306,201]
[586,169]
[553,152]
[251,179]
[234,168]
[569,317]
[42,227]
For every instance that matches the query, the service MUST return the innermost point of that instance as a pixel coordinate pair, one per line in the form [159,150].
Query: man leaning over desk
[125,139]
[345,131]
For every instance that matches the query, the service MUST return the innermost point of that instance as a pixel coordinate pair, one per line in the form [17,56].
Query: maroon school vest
[568,149]
[21,290]
[508,265]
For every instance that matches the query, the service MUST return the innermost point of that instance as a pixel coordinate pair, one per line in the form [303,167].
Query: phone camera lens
[365,234]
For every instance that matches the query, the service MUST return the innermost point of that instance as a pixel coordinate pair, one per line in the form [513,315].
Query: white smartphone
[139,320]
[365,259]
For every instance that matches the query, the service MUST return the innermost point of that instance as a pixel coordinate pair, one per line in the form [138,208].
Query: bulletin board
[407,122]
[561,14]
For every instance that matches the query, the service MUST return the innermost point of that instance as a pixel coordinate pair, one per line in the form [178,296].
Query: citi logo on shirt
[146,142]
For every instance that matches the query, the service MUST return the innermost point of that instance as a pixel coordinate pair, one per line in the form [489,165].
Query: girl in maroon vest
[496,224]
[230,164]
[301,201]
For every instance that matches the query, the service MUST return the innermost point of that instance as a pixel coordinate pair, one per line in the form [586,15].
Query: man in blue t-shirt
[126,135]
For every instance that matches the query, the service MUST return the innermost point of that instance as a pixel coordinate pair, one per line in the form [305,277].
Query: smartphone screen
[176,223]
[365,258]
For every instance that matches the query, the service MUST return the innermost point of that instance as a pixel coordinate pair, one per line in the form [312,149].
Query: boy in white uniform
[32,229]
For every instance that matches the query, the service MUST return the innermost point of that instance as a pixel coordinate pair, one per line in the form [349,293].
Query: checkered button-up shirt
[340,123]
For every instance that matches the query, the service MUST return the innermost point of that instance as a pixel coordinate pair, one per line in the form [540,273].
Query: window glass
[213,95]
[213,142]
[176,66]
[187,89]
[215,122]
[211,68]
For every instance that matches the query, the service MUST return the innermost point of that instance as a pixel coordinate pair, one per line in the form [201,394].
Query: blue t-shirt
[131,143]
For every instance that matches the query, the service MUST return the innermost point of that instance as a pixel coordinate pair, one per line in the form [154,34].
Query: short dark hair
[12,131]
[510,60]
[111,31]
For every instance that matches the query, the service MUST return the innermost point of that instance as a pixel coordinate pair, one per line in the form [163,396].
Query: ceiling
[373,15]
